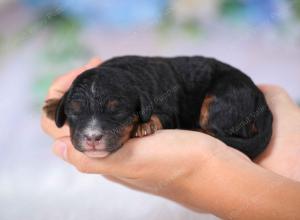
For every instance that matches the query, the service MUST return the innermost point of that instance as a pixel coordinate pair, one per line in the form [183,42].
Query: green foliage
[1,44]
[191,27]
[62,52]
[232,7]
[296,6]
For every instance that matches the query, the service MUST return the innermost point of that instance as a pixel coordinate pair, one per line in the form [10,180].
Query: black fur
[173,89]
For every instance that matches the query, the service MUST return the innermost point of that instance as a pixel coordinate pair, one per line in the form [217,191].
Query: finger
[285,111]
[278,98]
[122,181]
[50,128]
[63,83]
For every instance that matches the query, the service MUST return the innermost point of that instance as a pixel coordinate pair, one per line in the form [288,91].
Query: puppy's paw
[148,128]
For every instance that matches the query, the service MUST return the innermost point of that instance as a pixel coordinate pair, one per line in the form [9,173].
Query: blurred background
[41,39]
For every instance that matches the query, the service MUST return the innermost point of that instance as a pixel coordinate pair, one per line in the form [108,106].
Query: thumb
[60,148]
[278,99]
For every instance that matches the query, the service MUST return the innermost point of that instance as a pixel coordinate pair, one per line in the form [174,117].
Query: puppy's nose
[92,140]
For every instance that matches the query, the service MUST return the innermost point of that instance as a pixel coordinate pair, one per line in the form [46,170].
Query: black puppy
[133,96]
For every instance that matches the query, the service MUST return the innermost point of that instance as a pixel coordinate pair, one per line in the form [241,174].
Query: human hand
[283,153]
[148,164]
[281,156]
[162,164]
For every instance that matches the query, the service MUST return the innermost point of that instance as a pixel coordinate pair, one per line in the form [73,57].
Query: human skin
[197,170]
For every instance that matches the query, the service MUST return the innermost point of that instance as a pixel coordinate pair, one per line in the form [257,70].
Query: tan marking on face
[204,113]
[126,133]
[75,106]
[112,104]
[128,130]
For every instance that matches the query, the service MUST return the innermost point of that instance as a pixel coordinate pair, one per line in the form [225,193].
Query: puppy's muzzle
[93,142]
[93,145]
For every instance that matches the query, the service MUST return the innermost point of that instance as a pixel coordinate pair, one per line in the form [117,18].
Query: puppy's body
[194,93]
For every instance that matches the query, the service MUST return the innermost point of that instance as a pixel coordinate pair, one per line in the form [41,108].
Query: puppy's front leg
[149,127]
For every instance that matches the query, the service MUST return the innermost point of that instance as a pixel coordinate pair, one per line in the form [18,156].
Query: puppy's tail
[256,144]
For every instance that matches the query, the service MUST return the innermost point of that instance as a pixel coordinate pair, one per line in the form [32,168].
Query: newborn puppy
[132,96]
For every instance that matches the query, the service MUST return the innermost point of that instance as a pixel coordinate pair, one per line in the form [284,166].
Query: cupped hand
[148,163]
[168,157]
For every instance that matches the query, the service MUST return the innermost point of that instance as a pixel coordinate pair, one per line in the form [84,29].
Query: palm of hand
[130,165]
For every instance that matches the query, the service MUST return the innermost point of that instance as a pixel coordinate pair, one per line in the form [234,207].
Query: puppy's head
[101,111]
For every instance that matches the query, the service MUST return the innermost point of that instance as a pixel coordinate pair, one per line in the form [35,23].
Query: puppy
[133,96]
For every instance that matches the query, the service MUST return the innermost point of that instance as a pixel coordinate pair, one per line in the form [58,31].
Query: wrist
[193,188]
[231,187]
[209,181]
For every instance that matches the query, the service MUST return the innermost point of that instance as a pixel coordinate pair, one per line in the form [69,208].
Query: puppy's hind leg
[236,113]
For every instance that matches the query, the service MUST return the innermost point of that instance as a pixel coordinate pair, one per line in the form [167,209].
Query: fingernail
[60,149]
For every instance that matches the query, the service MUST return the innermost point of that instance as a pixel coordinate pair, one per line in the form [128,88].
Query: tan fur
[112,104]
[148,128]
[204,113]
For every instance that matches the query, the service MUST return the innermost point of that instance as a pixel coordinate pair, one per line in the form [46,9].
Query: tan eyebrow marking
[112,104]
[75,105]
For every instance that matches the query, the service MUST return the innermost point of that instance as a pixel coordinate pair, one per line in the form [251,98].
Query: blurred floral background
[41,39]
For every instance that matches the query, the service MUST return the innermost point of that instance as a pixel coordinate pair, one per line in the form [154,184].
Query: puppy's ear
[54,109]
[50,108]
[60,115]
[146,108]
